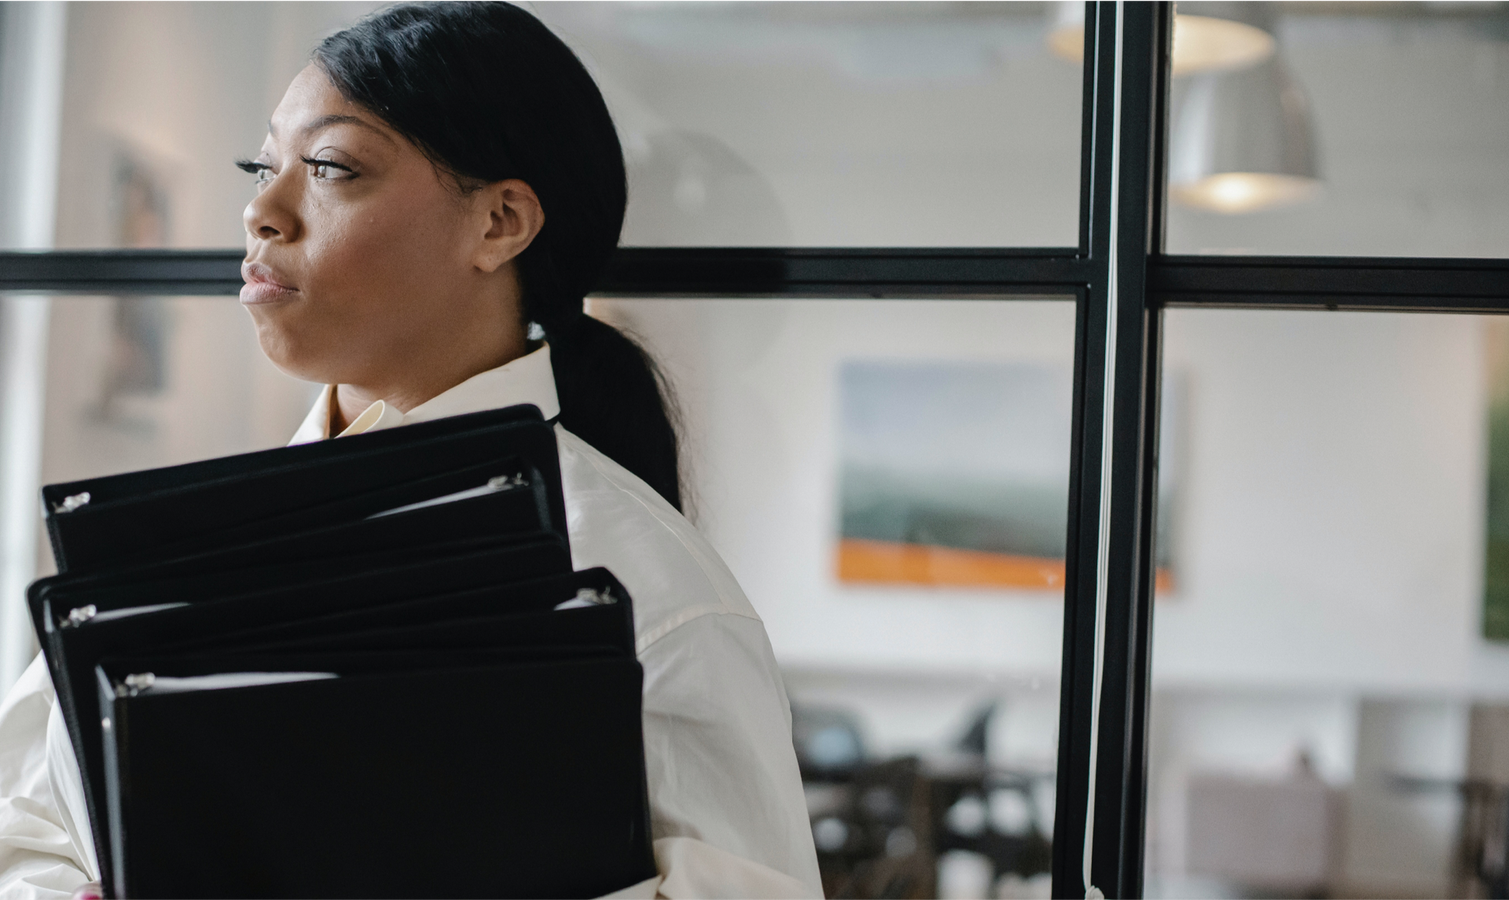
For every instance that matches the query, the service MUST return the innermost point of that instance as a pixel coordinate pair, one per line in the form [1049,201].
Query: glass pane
[1358,129]
[95,385]
[766,124]
[1330,684]
[888,480]
[139,382]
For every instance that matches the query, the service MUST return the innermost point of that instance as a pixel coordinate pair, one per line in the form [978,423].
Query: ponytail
[488,93]
[611,397]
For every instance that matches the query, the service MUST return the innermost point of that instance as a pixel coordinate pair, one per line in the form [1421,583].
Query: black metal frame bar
[1335,283]
[1217,282]
[634,271]
[1119,792]
[1121,281]
[181,272]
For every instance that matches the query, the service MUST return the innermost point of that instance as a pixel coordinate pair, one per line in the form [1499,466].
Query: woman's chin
[293,358]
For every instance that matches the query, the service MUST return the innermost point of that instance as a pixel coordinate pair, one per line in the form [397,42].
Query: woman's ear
[510,214]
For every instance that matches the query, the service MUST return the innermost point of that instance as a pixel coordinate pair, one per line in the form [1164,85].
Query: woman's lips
[262,285]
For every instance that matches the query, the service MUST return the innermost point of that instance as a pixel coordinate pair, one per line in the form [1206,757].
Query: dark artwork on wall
[137,366]
[956,474]
[1496,556]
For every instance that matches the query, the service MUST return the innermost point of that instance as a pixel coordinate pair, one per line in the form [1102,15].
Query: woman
[439,183]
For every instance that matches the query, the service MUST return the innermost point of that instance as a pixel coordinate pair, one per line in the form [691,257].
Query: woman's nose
[271,215]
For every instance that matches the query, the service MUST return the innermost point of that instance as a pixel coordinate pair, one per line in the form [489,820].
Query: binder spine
[68,700]
[115,726]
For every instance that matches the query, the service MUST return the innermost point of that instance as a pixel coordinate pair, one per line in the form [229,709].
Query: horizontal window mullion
[1442,285]
[734,272]
[1447,303]
[1438,285]
[185,272]
[633,272]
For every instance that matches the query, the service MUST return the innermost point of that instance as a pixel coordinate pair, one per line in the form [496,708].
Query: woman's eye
[263,171]
[328,170]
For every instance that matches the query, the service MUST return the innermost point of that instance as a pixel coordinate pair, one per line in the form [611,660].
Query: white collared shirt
[528,379]
[727,809]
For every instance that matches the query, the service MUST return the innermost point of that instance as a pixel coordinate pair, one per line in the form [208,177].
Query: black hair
[488,93]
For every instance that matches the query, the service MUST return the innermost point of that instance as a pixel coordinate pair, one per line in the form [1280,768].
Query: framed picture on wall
[953,474]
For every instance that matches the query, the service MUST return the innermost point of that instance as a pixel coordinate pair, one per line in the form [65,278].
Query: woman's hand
[90,891]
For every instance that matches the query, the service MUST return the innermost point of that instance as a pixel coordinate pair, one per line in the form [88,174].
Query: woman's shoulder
[617,521]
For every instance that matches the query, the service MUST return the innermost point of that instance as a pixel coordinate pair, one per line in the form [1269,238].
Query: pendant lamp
[1208,37]
[1242,141]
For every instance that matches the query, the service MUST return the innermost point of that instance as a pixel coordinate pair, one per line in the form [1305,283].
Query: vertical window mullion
[1108,596]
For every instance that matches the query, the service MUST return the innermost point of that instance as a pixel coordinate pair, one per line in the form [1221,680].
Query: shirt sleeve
[40,855]
[728,812]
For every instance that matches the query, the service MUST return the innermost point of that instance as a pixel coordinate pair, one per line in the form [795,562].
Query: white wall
[1333,526]
[1329,530]
[760,385]
[1412,121]
[1328,548]
[837,124]
[824,116]
[186,88]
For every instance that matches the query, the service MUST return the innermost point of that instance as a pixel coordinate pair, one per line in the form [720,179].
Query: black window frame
[1121,281]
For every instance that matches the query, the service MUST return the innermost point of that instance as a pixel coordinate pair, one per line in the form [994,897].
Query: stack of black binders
[355,668]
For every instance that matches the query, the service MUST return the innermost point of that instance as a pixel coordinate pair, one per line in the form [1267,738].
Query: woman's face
[360,259]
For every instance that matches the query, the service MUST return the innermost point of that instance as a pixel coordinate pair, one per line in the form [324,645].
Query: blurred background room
[889,478]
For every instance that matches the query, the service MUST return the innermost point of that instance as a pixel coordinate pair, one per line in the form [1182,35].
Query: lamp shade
[1242,141]
[1208,37]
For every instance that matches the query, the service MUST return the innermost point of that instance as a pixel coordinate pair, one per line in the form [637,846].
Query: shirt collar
[528,379]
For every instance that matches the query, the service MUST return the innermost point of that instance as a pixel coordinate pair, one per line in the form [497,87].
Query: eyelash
[264,172]
[261,170]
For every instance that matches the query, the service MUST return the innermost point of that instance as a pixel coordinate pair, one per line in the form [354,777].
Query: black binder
[467,678]
[283,756]
[493,514]
[178,510]
[75,646]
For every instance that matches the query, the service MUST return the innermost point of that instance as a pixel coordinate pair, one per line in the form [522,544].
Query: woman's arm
[40,854]
[729,815]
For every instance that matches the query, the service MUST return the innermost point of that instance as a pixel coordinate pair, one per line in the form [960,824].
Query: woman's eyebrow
[324,122]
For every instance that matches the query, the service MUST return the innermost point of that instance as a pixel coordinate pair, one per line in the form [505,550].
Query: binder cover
[482,780]
[117,519]
[361,667]
[73,651]
[501,516]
